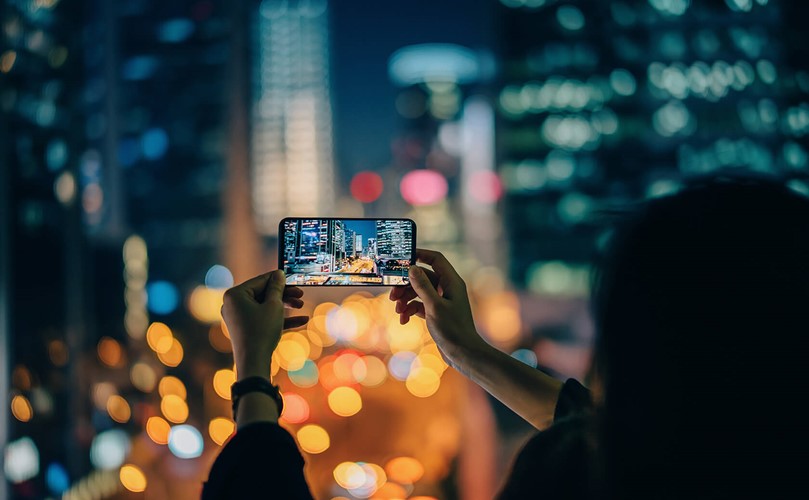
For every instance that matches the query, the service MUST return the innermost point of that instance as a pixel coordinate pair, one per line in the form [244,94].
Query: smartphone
[346,251]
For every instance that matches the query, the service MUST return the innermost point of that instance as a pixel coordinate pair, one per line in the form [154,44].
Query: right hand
[444,303]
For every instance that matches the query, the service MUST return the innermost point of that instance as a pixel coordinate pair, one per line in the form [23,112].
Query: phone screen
[334,251]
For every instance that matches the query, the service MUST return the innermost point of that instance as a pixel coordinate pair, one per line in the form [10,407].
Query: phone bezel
[281,243]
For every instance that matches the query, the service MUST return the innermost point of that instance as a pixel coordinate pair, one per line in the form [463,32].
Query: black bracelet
[255,384]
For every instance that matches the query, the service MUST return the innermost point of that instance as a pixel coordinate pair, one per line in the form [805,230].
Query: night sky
[364,35]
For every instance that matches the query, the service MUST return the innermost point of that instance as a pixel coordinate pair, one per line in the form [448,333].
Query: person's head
[701,307]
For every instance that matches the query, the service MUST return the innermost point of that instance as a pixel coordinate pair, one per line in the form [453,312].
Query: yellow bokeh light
[344,367]
[118,409]
[158,430]
[404,470]
[143,377]
[220,429]
[292,351]
[349,475]
[174,408]
[313,439]
[159,336]
[135,249]
[390,491]
[500,316]
[431,361]
[171,385]
[375,371]
[218,339]
[132,478]
[205,304]
[407,337]
[109,352]
[422,382]
[345,401]
[21,408]
[222,380]
[172,357]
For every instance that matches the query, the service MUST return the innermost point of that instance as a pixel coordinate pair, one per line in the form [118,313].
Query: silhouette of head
[702,313]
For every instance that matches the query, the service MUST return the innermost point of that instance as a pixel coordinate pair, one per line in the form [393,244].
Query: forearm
[527,391]
[255,406]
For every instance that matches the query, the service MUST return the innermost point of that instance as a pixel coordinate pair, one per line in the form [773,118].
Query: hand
[254,315]
[444,303]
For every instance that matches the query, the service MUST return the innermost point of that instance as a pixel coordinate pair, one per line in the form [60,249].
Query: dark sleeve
[555,463]
[574,398]
[260,461]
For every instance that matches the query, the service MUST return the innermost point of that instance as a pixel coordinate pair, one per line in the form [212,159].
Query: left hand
[254,315]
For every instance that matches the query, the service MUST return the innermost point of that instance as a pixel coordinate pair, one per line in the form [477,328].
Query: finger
[274,289]
[295,322]
[293,291]
[293,303]
[396,292]
[423,287]
[450,281]
[254,287]
[417,309]
[409,294]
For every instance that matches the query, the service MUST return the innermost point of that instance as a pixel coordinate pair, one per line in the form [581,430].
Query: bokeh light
[143,377]
[118,409]
[57,478]
[296,409]
[174,408]
[313,439]
[218,277]
[422,382]
[205,304]
[349,475]
[404,470]
[423,187]
[366,187]
[370,371]
[222,380]
[158,430]
[345,401]
[21,461]
[172,357]
[185,441]
[109,449]
[159,337]
[21,408]
[220,429]
[485,187]
[109,352]
[171,385]
[133,478]
[306,376]
[162,297]
[400,364]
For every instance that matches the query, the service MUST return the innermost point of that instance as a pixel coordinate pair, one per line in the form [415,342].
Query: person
[699,308]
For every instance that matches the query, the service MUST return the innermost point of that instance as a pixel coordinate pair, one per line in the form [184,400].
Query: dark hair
[701,307]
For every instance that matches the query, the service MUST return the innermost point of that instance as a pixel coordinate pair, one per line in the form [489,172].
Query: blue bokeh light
[162,297]
[57,478]
[218,276]
[154,143]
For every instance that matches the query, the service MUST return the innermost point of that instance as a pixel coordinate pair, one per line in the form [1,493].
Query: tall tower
[292,152]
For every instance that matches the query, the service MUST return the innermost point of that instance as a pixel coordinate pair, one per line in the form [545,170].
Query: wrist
[253,368]
[469,355]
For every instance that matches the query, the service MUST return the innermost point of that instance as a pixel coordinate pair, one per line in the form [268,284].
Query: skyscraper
[292,153]
[394,239]
[606,102]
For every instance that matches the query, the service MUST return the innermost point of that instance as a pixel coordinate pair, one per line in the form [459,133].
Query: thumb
[423,286]
[274,291]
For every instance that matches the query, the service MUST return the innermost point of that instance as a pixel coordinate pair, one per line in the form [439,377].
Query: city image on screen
[347,251]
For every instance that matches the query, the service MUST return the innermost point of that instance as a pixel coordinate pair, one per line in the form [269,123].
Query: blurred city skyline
[149,151]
